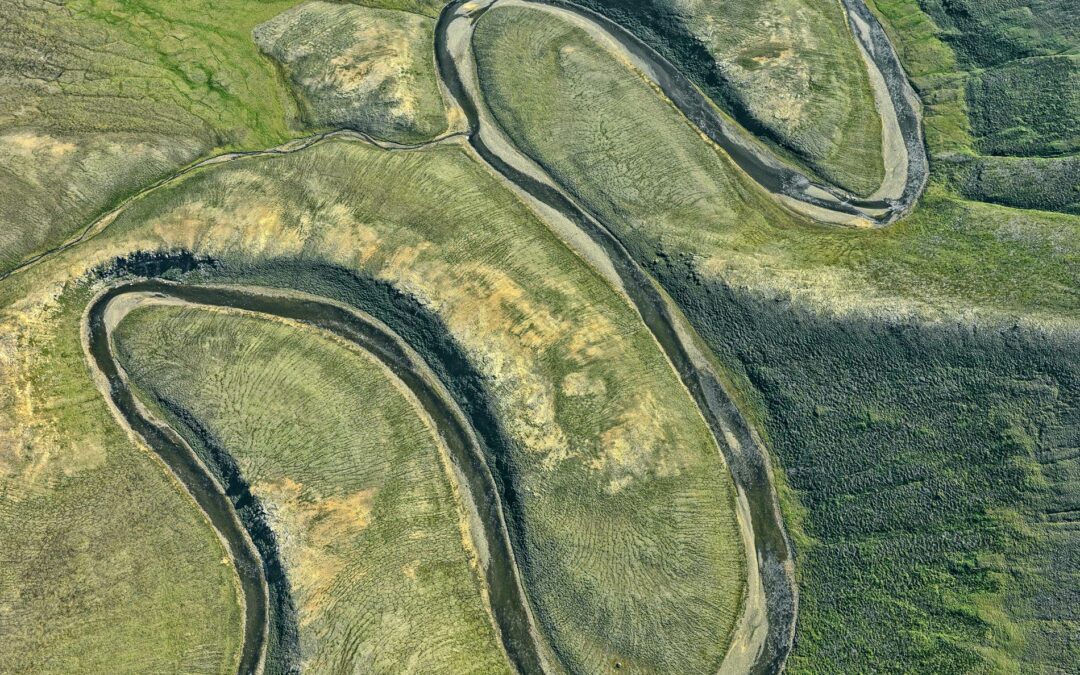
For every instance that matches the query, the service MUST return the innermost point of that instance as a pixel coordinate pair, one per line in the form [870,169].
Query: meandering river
[767,637]
[261,574]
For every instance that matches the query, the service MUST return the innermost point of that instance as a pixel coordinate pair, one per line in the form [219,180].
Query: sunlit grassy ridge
[372,70]
[108,564]
[789,67]
[354,482]
[621,489]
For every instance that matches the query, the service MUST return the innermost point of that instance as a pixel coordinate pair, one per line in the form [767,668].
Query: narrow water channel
[755,160]
[507,596]
[749,465]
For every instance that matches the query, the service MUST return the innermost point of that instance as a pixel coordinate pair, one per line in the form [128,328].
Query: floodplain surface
[747,384]
[352,478]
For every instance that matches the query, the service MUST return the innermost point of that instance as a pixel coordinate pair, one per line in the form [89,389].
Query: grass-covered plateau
[372,70]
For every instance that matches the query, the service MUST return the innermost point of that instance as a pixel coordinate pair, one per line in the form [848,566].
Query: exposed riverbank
[742,450]
[254,549]
[899,108]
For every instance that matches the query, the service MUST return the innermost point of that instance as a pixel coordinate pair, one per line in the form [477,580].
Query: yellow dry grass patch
[634,447]
[362,70]
[579,383]
[29,143]
[32,447]
[308,527]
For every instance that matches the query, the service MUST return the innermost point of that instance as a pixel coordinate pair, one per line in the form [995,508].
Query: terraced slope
[108,564]
[358,491]
[98,100]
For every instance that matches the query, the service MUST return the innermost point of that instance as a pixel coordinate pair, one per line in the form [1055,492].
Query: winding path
[254,549]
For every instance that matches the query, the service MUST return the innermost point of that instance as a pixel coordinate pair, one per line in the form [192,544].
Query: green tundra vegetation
[917,385]
[619,485]
[108,564]
[101,98]
[790,70]
[358,491]
[372,70]
[932,480]
[927,448]
[636,162]
[1000,83]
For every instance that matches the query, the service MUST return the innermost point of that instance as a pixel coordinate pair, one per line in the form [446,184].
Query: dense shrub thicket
[1022,96]
[1028,107]
[938,476]
[1049,184]
[986,33]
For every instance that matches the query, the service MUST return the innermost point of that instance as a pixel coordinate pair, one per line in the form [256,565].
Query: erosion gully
[746,457]
[254,549]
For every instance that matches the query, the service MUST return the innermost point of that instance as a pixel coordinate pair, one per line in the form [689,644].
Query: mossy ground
[929,479]
[999,86]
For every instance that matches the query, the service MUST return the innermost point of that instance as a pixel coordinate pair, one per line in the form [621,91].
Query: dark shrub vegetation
[1049,184]
[1027,108]
[938,476]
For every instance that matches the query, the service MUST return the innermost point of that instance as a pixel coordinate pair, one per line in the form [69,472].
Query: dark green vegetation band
[771,174]
[750,468]
[1024,74]
[214,481]
[1045,183]
[934,471]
